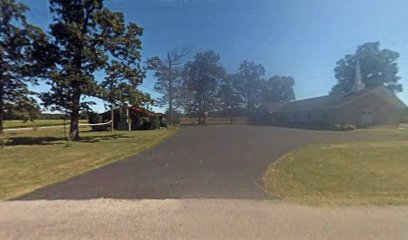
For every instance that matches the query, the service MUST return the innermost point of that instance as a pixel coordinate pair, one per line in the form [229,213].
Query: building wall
[373,109]
[315,117]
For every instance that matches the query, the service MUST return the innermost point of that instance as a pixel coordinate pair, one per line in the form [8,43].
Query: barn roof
[334,101]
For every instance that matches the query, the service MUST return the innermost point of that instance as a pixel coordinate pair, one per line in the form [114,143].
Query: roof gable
[336,101]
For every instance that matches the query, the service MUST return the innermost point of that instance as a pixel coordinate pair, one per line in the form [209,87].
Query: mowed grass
[35,123]
[345,174]
[34,159]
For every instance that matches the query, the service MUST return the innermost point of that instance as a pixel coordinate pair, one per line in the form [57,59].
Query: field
[348,173]
[36,123]
[32,159]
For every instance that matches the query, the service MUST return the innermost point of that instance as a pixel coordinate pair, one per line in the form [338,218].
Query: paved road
[218,161]
[205,219]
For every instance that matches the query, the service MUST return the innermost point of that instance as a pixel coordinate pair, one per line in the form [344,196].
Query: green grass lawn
[34,159]
[349,173]
[36,123]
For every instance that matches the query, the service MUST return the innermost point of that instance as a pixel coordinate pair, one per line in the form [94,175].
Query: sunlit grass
[349,173]
[34,159]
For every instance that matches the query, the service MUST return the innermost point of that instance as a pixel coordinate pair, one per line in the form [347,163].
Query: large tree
[278,89]
[86,36]
[168,70]
[378,68]
[20,45]
[228,98]
[201,79]
[119,88]
[248,85]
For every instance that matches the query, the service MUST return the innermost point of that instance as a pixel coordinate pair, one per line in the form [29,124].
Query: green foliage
[87,37]
[52,116]
[248,85]
[95,118]
[378,68]
[200,80]
[169,83]
[124,73]
[278,89]
[155,123]
[26,113]
[228,99]
[19,61]
[84,115]
[148,123]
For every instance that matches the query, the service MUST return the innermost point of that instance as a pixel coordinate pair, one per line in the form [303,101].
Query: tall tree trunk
[1,108]
[112,118]
[204,119]
[199,119]
[1,115]
[74,125]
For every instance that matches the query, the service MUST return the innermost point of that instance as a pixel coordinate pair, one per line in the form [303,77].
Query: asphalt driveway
[218,161]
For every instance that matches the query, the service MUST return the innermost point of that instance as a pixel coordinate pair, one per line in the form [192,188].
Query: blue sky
[300,38]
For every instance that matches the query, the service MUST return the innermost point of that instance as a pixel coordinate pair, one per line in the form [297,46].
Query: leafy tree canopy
[86,38]
[278,89]
[228,99]
[248,85]
[201,81]
[378,68]
[20,45]
[168,71]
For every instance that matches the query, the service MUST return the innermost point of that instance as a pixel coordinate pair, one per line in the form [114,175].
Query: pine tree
[86,36]
[21,50]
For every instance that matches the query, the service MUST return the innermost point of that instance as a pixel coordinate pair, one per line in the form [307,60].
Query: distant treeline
[10,115]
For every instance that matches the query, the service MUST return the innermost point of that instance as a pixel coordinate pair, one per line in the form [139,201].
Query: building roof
[334,101]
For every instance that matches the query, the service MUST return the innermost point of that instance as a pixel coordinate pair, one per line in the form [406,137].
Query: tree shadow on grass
[93,139]
[48,140]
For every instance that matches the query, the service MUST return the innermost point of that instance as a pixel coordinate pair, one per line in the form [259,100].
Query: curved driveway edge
[218,161]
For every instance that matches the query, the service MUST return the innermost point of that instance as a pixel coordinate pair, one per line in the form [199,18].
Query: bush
[147,123]
[143,123]
[154,123]
[95,118]
[84,115]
